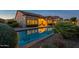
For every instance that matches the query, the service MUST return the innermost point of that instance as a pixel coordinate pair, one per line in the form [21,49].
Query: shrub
[68,31]
[8,37]
[13,23]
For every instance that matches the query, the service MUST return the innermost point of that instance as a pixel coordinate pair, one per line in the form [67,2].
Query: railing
[27,35]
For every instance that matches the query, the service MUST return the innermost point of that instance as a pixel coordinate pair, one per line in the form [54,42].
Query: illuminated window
[32,22]
[49,21]
[35,21]
[28,22]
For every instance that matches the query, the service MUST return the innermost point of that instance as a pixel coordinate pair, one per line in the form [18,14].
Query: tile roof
[30,14]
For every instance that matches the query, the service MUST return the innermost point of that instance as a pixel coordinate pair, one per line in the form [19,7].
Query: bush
[13,23]
[8,37]
[68,31]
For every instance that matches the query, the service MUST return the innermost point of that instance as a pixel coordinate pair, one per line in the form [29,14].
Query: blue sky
[7,14]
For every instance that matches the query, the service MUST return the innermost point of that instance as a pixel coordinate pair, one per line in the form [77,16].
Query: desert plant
[8,37]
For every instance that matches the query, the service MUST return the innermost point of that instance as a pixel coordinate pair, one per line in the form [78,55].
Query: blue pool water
[28,36]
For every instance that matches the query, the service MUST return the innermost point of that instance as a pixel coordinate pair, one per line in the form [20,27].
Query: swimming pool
[29,35]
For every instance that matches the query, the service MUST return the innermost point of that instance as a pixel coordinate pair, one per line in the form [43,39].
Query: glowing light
[73,22]
[42,23]
[55,22]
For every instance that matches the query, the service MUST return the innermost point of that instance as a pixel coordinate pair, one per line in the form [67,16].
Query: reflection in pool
[30,35]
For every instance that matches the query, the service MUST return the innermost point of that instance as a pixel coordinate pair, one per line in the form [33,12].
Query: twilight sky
[7,14]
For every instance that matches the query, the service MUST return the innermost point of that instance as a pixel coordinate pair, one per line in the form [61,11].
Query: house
[27,19]
[52,20]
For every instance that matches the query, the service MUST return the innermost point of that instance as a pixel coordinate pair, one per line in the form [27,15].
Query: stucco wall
[20,18]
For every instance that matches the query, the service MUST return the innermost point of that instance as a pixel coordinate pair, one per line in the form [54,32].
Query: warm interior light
[55,22]
[42,23]
[73,22]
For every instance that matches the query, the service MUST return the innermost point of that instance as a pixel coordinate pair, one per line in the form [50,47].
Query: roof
[52,17]
[30,14]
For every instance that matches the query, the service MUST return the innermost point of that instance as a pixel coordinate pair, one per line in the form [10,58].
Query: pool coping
[23,29]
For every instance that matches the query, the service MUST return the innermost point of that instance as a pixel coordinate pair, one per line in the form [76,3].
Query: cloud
[7,16]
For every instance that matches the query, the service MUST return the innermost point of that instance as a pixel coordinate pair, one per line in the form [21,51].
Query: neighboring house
[27,19]
[52,19]
[49,20]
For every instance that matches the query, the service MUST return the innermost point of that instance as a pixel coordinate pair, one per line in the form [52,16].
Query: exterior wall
[20,19]
[26,20]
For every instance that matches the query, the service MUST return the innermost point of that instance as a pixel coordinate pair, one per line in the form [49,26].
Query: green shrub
[13,23]
[68,31]
[8,37]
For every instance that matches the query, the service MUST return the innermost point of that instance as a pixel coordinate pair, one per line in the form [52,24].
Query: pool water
[28,36]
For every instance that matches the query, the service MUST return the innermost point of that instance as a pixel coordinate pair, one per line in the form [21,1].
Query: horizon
[66,14]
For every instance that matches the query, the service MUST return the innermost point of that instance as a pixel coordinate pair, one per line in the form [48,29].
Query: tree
[73,20]
[61,19]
